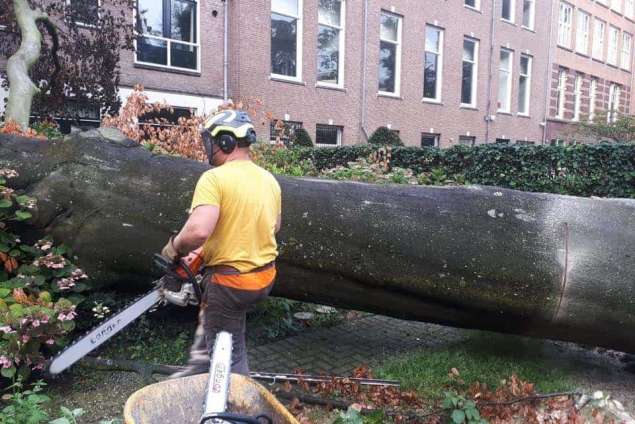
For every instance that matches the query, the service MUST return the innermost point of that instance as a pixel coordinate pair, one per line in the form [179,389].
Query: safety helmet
[227,129]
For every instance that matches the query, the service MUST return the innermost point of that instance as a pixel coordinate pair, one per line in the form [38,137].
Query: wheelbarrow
[180,401]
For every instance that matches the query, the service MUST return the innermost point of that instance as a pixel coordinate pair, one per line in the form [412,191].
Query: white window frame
[532,15]
[599,39]
[299,41]
[593,90]
[474,64]
[78,23]
[583,31]
[613,108]
[629,9]
[439,80]
[342,57]
[565,26]
[616,5]
[512,11]
[477,5]
[562,90]
[613,57]
[626,51]
[169,43]
[577,97]
[527,76]
[398,43]
[510,77]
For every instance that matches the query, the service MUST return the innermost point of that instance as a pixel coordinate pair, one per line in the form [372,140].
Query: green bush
[604,170]
[301,138]
[385,137]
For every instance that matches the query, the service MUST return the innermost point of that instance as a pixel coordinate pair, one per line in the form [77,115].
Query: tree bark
[477,257]
[21,88]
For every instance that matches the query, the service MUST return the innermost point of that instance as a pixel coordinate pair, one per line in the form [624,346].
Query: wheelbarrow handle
[236,418]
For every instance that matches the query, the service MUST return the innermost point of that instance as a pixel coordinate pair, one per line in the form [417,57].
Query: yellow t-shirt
[249,200]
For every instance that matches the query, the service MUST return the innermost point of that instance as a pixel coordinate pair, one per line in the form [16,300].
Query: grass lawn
[485,357]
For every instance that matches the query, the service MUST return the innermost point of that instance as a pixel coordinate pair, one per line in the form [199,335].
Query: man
[235,214]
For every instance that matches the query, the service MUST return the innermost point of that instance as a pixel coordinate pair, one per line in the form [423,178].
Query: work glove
[170,252]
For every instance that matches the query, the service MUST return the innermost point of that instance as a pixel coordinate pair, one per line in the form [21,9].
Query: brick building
[439,73]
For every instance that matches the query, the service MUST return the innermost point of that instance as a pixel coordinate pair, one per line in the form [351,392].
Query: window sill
[328,146]
[330,87]
[468,107]
[613,65]
[569,49]
[167,69]
[504,112]
[598,60]
[432,101]
[507,21]
[582,54]
[532,30]
[626,70]
[389,95]
[473,9]
[287,80]
[523,115]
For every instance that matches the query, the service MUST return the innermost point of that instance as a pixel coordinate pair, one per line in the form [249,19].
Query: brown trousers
[223,309]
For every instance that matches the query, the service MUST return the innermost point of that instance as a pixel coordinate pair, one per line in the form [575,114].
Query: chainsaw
[180,286]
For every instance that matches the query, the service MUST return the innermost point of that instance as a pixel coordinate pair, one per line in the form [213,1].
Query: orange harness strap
[257,280]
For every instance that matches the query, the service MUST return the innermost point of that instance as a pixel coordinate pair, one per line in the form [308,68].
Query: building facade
[439,73]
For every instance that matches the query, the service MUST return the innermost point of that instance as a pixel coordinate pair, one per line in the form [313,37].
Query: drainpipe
[492,31]
[548,72]
[364,69]
[226,50]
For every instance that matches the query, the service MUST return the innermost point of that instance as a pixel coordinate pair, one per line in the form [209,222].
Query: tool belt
[256,279]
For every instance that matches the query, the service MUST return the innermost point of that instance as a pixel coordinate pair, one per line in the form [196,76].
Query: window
[582,37]
[470,72]
[168,33]
[614,35]
[430,140]
[616,5]
[84,12]
[577,97]
[474,4]
[599,31]
[328,135]
[467,140]
[629,9]
[564,25]
[593,92]
[389,53]
[524,84]
[286,39]
[280,130]
[330,47]
[505,80]
[525,142]
[627,41]
[614,103]
[529,13]
[562,89]
[433,63]
[503,141]
[167,117]
[508,10]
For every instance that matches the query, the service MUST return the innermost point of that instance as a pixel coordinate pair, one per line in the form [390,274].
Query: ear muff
[227,143]
[251,137]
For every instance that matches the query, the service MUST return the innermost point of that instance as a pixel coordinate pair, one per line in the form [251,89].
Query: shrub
[34,317]
[301,138]
[385,137]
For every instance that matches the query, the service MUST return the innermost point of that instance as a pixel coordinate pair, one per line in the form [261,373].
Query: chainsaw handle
[237,418]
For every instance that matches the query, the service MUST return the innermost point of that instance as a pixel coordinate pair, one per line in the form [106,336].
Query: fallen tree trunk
[477,257]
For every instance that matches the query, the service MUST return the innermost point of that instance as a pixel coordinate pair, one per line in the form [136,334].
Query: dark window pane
[151,50]
[327,134]
[430,140]
[430,76]
[507,10]
[470,3]
[387,66]
[522,95]
[328,54]
[183,55]
[467,140]
[329,12]
[85,11]
[183,21]
[466,87]
[150,17]
[283,45]
[502,141]
[166,116]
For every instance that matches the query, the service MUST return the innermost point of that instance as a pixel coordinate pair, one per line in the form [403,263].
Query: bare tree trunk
[21,88]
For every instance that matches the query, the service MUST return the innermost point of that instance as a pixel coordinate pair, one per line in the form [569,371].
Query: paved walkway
[340,349]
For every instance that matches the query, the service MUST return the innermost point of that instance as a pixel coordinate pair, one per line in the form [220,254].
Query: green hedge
[605,170]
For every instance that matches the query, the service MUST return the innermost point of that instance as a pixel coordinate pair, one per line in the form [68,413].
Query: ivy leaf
[22,215]
[458,416]
[8,372]
[4,293]
[5,203]
[23,200]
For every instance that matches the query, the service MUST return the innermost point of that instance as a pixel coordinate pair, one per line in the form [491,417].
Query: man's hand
[169,251]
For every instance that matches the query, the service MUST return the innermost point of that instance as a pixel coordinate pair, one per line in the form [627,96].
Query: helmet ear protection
[226,142]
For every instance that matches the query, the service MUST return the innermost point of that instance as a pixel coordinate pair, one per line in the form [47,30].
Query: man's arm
[199,226]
